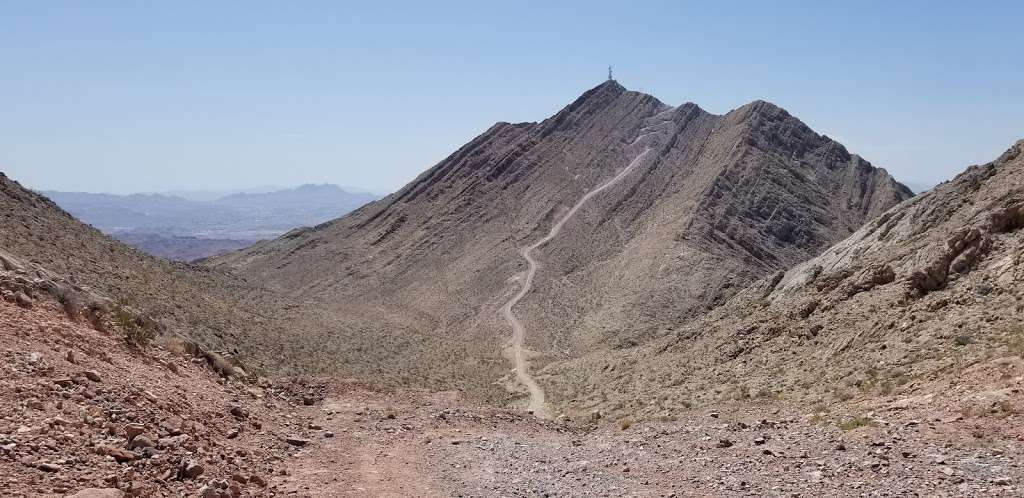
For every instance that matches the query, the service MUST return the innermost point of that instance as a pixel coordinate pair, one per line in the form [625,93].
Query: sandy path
[536,404]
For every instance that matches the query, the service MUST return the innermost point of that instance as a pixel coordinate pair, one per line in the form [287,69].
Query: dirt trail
[536,404]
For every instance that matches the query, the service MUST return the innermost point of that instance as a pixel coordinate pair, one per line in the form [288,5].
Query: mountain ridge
[724,199]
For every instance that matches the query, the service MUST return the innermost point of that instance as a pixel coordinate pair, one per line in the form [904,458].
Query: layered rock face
[921,303]
[715,203]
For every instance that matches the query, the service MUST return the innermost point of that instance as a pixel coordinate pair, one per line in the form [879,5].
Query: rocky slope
[715,203]
[213,309]
[922,303]
[87,410]
[83,414]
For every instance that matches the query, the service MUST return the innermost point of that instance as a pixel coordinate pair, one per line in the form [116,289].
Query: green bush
[135,333]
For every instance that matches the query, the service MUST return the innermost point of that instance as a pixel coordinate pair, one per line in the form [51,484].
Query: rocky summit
[703,206]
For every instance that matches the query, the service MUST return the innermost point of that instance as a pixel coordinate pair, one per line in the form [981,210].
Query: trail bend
[515,347]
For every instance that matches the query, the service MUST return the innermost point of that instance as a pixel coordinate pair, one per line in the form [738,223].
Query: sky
[151,96]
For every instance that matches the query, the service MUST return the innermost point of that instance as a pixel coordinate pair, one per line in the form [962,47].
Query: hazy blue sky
[130,96]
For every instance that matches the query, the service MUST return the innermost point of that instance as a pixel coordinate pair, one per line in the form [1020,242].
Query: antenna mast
[610,78]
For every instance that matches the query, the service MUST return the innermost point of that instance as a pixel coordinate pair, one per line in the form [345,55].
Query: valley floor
[79,409]
[430,444]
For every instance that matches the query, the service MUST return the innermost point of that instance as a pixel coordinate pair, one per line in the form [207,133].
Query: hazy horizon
[108,97]
[201,192]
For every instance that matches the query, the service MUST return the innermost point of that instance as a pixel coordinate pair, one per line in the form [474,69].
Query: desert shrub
[625,423]
[174,344]
[885,387]
[855,422]
[1005,409]
[135,333]
[72,305]
[844,394]
[962,340]
[1014,340]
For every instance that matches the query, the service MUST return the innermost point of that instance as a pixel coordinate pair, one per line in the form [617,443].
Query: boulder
[23,300]
[191,469]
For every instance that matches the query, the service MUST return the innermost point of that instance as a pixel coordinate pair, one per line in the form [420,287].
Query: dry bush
[843,394]
[855,422]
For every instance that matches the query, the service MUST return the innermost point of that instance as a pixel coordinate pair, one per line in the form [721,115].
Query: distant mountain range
[184,226]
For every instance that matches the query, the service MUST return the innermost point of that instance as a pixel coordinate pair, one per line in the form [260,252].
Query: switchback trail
[536,404]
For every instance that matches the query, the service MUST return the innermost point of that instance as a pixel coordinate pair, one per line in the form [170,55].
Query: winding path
[536,404]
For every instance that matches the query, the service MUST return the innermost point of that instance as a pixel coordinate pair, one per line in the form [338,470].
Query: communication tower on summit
[610,74]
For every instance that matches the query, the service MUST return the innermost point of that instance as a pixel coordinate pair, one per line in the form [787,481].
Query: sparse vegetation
[843,394]
[135,333]
[625,423]
[1013,338]
[855,422]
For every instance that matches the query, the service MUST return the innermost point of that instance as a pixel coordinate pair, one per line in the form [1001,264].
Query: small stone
[760,440]
[132,430]
[191,469]
[723,443]
[49,467]
[308,400]
[64,382]
[296,441]
[238,412]
[328,434]
[239,478]
[34,357]
[119,455]
[172,441]
[98,493]
[142,442]
[92,375]
[1002,481]
[23,300]
[70,357]
[257,480]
